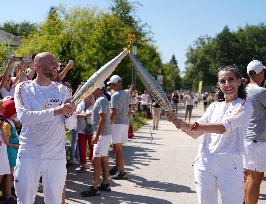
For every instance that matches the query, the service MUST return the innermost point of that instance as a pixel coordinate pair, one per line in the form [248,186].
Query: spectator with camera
[7,87]
[26,72]
[62,72]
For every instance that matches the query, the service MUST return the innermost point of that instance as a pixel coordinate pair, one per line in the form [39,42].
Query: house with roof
[8,38]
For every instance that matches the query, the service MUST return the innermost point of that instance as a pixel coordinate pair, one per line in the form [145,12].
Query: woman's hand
[95,139]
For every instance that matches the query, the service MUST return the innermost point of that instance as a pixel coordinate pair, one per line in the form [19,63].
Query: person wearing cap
[255,139]
[120,103]
[44,111]
[9,113]
[101,139]
[5,170]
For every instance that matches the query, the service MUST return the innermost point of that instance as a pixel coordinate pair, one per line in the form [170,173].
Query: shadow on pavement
[158,185]
[118,197]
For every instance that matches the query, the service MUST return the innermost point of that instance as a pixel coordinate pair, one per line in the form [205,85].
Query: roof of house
[9,38]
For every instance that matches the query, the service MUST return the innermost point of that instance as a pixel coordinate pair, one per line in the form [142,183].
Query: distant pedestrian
[205,100]
[188,105]
[175,100]
[145,100]
[156,114]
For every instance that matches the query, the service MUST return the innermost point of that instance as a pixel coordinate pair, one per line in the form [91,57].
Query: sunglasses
[222,68]
[229,80]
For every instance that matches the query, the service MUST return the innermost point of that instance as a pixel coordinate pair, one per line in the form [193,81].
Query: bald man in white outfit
[41,107]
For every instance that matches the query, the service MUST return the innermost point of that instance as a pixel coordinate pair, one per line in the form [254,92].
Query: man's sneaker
[119,176]
[113,170]
[104,187]
[90,192]
[73,161]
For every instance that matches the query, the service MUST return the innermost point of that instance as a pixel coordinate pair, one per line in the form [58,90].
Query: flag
[200,86]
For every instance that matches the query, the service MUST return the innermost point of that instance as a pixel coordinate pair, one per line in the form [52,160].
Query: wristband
[195,126]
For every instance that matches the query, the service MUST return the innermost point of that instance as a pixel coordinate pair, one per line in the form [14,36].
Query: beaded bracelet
[195,126]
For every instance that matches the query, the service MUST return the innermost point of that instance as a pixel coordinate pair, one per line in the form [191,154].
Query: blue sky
[175,24]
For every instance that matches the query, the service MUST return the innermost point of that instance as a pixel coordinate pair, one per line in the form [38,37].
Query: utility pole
[134,52]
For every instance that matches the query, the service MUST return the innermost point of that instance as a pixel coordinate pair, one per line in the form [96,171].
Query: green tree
[21,29]
[226,48]
[147,52]
[176,71]
[4,48]
[90,38]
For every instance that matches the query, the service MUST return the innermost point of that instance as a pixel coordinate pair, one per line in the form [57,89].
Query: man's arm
[113,115]
[29,117]
[100,128]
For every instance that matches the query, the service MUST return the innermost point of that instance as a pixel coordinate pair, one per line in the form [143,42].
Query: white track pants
[223,172]
[28,173]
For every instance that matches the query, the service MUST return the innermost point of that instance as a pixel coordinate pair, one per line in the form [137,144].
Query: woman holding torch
[219,164]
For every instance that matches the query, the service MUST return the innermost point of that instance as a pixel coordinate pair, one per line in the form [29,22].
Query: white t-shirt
[5,92]
[196,97]
[189,100]
[145,99]
[81,109]
[235,117]
[4,163]
[43,134]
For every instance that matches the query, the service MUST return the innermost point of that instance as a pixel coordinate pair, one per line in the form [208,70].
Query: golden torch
[98,77]
[151,85]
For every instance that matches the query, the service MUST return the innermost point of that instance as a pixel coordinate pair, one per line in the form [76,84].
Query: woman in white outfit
[219,164]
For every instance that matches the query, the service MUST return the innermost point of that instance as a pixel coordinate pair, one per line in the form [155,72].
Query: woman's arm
[6,71]
[31,74]
[19,77]
[62,74]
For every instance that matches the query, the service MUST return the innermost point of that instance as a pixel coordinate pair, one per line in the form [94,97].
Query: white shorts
[27,174]
[119,133]
[4,167]
[255,156]
[101,148]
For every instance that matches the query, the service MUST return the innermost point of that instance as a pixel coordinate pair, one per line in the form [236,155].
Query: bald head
[42,57]
[46,65]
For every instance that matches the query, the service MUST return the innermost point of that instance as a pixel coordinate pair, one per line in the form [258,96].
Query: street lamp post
[134,52]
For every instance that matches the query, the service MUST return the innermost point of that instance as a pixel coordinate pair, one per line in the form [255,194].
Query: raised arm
[62,74]
[19,77]
[11,60]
